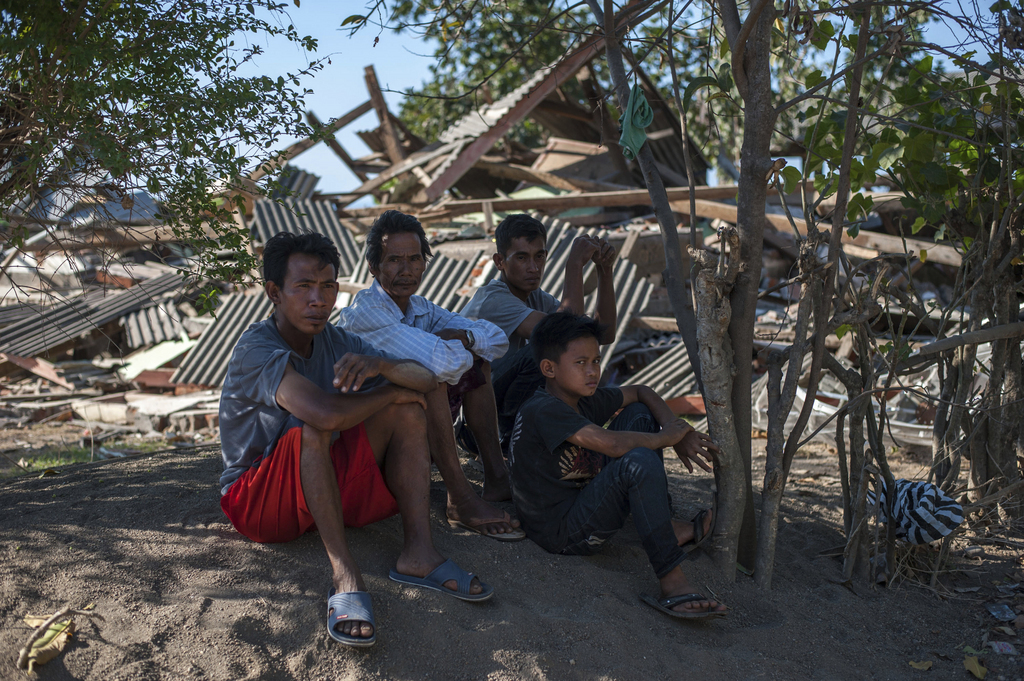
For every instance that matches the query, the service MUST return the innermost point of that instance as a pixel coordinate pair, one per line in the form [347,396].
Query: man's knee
[409,415]
[316,438]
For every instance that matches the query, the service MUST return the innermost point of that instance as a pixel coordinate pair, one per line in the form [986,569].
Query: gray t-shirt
[250,419]
[498,305]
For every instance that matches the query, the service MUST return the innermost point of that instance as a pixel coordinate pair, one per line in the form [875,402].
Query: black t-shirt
[547,470]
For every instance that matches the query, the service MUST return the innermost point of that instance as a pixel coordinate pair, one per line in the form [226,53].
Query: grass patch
[48,458]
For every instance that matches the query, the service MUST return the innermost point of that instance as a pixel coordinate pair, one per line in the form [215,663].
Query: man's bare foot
[676,584]
[423,566]
[684,530]
[476,514]
[344,583]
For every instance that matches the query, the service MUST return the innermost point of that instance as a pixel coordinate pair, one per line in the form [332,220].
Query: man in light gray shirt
[515,303]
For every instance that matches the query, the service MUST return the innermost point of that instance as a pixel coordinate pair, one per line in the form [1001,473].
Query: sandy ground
[184,596]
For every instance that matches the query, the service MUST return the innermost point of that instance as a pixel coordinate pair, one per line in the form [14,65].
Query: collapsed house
[119,341]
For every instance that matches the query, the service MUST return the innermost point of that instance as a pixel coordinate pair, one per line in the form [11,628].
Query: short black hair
[552,335]
[393,222]
[282,245]
[515,226]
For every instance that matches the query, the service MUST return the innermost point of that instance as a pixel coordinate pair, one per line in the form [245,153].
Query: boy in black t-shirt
[574,482]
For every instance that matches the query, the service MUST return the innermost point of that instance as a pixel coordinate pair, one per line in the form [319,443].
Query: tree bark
[755,161]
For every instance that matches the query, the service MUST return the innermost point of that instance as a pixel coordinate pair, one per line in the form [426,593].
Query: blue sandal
[442,573]
[354,606]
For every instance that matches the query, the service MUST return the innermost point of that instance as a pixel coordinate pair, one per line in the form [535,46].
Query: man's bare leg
[397,435]
[320,488]
[463,503]
[482,420]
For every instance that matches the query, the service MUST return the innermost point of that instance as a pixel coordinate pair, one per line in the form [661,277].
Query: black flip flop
[665,605]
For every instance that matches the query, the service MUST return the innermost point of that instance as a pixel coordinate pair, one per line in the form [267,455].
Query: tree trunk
[755,161]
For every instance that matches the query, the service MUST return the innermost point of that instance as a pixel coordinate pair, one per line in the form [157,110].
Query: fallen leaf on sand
[974,666]
[923,666]
[50,644]
[1005,630]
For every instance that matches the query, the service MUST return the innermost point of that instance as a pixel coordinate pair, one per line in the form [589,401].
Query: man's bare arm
[305,400]
[525,327]
[353,370]
[606,313]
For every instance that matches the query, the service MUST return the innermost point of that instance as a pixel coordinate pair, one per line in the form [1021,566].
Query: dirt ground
[184,596]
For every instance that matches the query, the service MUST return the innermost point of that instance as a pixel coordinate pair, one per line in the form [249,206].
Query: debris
[923,666]
[1002,647]
[974,666]
[1002,612]
[50,636]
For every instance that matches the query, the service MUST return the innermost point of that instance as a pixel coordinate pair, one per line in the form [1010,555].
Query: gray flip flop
[441,574]
[354,606]
[665,606]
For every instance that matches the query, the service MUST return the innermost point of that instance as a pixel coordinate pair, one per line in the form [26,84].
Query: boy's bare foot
[676,584]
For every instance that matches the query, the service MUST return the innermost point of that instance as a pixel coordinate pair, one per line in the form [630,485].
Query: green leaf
[813,78]
[693,86]
[967,243]
[353,19]
[843,330]
[791,179]
[935,174]
[887,155]
[822,33]
[918,224]
[853,230]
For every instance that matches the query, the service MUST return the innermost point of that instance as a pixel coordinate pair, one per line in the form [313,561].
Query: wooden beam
[337,148]
[559,73]
[553,204]
[302,145]
[946,255]
[392,142]
[416,160]
[655,323]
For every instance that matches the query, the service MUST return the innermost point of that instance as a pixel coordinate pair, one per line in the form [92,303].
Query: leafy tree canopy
[144,95]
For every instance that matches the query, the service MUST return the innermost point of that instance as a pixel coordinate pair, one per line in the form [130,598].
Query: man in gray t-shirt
[515,304]
[319,429]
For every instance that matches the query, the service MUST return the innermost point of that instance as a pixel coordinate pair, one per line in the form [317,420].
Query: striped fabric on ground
[923,513]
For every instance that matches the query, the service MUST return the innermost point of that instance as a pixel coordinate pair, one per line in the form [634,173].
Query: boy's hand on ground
[353,370]
[695,447]
[406,396]
[454,334]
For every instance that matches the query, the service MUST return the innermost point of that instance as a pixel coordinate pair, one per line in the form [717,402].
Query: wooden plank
[420,158]
[689,405]
[655,323]
[887,243]
[336,147]
[392,142]
[302,145]
[558,74]
[555,204]
[39,367]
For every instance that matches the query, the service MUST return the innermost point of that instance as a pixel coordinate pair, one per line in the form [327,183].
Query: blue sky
[341,87]
[401,61]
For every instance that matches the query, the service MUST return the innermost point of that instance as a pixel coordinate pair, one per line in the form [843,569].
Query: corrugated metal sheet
[271,217]
[670,375]
[298,183]
[476,123]
[631,296]
[79,317]
[9,314]
[207,362]
[153,324]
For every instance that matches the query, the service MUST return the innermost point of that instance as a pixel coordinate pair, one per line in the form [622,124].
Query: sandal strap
[672,601]
[354,606]
[448,570]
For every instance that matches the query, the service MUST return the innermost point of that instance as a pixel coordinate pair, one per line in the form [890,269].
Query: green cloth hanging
[638,116]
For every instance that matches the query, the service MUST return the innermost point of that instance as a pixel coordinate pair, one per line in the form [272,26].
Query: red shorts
[266,504]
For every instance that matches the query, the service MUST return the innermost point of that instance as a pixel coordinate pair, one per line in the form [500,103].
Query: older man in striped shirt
[393,319]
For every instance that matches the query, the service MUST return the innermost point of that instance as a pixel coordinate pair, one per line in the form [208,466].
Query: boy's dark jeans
[634,483]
